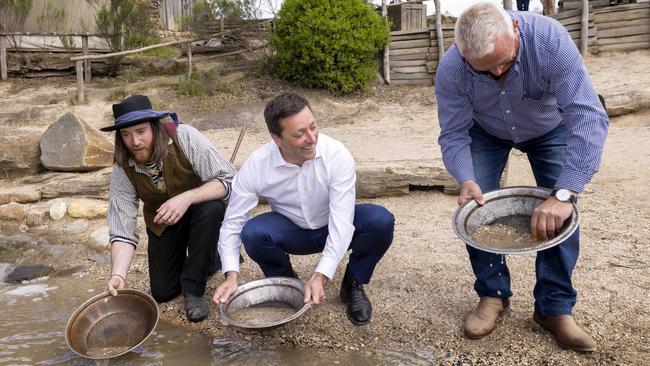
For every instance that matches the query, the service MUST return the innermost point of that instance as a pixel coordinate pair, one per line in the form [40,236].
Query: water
[33,318]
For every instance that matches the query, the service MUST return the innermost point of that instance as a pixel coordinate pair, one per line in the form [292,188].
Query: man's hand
[226,289]
[548,218]
[170,212]
[315,289]
[470,190]
[115,282]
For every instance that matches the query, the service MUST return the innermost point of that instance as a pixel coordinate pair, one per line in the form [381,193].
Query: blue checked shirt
[547,85]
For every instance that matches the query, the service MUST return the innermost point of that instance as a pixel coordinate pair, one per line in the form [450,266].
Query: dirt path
[423,286]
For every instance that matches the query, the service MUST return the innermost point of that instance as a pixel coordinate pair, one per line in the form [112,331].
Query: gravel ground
[423,286]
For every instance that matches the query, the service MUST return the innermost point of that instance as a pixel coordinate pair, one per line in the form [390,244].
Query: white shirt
[536,6]
[320,192]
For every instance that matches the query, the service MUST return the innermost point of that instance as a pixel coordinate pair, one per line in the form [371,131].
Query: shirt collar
[277,160]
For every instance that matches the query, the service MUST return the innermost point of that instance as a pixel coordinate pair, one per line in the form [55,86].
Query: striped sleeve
[122,208]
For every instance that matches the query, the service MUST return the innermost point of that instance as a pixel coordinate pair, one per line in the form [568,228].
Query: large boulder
[70,144]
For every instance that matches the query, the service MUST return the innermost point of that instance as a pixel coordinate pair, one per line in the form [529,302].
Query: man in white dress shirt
[309,181]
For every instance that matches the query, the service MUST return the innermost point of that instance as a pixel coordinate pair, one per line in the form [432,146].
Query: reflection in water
[33,319]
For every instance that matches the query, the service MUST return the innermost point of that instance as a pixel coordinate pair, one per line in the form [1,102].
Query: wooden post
[507,4]
[80,82]
[122,38]
[3,59]
[384,14]
[584,28]
[441,40]
[189,60]
[84,46]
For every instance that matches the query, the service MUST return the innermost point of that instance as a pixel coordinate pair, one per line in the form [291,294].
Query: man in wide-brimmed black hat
[184,184]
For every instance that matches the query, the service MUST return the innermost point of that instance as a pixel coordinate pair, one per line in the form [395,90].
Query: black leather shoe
[359,308]
[196,308]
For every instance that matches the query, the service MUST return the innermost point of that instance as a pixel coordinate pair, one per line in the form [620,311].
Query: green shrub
[204,83]
[328,43]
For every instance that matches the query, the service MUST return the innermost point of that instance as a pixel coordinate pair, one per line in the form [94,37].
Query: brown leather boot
[482,320]
[567,333]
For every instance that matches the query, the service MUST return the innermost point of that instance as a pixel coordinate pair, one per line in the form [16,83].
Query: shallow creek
[33,318]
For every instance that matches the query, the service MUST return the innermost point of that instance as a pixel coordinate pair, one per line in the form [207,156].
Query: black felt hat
[134,110]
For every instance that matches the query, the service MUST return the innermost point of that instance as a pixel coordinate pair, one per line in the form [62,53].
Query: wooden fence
[414,54]
[623,27]
[572,21]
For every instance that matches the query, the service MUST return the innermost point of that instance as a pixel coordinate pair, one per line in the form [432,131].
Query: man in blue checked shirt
[516,80]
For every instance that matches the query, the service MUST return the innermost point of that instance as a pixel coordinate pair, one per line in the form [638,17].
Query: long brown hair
[160,142]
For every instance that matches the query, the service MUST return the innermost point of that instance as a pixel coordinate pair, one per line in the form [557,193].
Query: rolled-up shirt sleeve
[341,212]
[243,199]
[582,112]
[455,115]
[122,208]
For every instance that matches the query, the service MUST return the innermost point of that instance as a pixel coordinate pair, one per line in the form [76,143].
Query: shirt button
[513,127]
[507,111]
[503,92]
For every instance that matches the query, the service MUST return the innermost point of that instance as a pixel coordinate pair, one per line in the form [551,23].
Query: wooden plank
[624,46]
[576,34]
[566,14]
[622,8]
[87,69]
[189,60]
[577,5]
[625,39]
[626,31]
[578,26]
[624,23]
[420,62]
[410,37]
[414,31]
[622,16]
[401,76]
[410,51]
[94,57]
[578,20]
[428,81]
[3,59]
[80,81]
[410,44]
[415,56]
[408,69]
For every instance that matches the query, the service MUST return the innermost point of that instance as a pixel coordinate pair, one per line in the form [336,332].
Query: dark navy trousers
[554,294]
[269,238]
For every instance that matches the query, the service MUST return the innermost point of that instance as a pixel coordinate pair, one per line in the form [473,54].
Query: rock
[87,208]
[34,219]
[19,151]
[628,101]
[12,212]
[70,144]
[53,185]
[99,239]
[58,210]
[77,227]
[28,272]
[22,194]
[399,177]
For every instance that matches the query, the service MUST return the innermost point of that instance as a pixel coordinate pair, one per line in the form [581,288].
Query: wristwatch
[564,195]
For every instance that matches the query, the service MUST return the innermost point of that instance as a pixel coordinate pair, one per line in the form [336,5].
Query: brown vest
[179,177]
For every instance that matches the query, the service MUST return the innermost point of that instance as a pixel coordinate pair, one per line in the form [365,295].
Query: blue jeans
[554,293]
[270,237]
